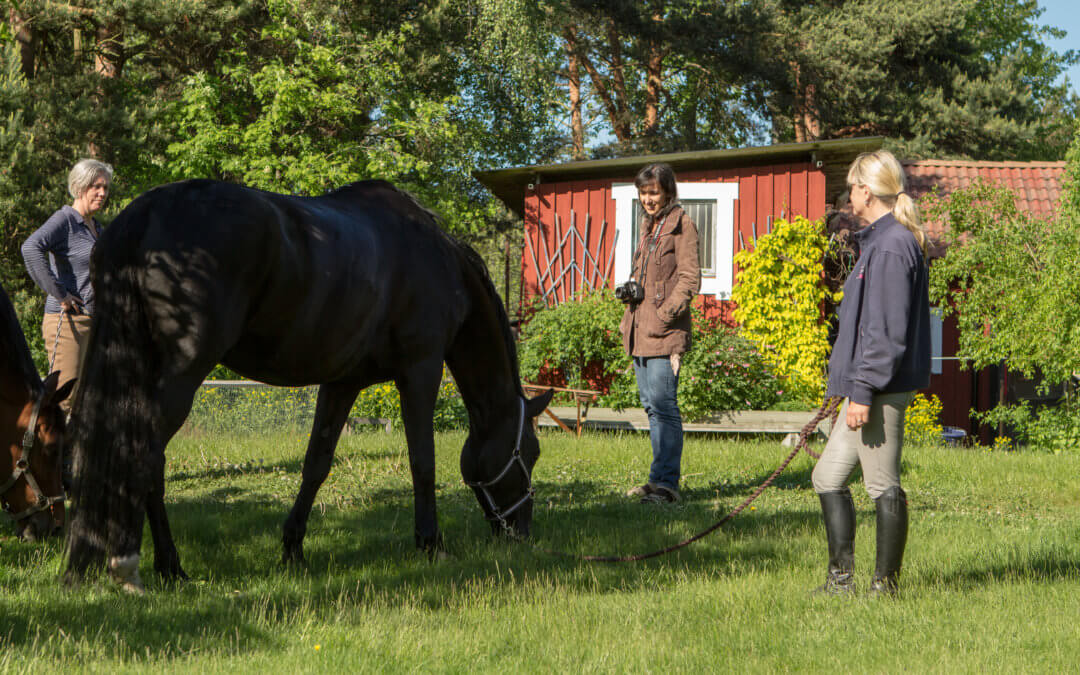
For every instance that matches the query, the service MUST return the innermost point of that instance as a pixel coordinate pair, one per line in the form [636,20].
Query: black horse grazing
[345,290]
[31,431]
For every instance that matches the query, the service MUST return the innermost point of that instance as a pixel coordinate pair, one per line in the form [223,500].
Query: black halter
[498,514]
[23,470]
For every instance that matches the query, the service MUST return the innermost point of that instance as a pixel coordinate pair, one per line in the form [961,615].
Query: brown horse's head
[31,466]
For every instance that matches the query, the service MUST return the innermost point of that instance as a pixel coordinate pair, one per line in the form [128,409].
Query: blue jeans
[657,387]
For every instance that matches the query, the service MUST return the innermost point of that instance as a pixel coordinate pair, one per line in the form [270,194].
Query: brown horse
[31,429]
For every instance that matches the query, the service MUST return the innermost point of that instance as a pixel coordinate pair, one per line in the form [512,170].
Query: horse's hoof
[124,570]
[294,560]
[133,588]
[171,573]
[173,577]
[72,580]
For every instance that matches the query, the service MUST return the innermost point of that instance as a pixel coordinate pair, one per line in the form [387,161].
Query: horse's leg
[331,412]
[419,387]
[175,399]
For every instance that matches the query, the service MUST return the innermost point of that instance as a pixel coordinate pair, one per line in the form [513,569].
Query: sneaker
[661,495]
[640,490]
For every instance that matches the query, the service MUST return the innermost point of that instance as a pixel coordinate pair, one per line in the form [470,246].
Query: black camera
[630,292]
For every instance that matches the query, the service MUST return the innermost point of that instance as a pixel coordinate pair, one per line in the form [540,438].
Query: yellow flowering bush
[922,424]
[780,294]
[382,400]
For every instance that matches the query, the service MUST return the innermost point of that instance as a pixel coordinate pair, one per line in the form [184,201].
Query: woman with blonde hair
[881,357]
[57,256]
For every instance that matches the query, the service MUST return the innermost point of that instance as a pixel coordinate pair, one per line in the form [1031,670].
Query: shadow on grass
[241,599]
[1040,566]
[230,542]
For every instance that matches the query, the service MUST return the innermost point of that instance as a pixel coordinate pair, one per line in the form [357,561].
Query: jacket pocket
[659,326]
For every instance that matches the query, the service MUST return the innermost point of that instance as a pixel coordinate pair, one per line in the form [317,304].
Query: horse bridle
[498,514]
[42,501]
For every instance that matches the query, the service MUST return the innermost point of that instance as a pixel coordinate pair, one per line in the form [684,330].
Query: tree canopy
[302,96]
[1011,280]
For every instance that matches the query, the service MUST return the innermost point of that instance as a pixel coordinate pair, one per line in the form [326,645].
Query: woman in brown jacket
[665,277]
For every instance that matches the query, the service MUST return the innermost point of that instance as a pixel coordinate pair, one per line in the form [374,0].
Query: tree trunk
[603,92]
[618,78]
[807,124]
[654,84]
[573,78]
[27,41]
[689,117]
[109,55]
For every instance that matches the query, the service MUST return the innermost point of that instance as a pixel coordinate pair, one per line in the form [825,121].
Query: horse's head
[31,486]
[499,467]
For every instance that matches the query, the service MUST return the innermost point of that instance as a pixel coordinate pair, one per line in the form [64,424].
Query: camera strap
[658,227]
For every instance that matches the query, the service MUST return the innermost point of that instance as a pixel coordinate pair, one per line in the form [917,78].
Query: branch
[70,9]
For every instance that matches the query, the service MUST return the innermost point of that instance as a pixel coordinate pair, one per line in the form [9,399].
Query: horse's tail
[113,415]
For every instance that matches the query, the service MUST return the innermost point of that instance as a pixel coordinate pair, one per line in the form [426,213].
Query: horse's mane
[471,257]
[478,264]
[14,345]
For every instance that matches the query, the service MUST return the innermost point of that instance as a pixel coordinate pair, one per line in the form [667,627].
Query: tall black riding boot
[892,527]
[838,509]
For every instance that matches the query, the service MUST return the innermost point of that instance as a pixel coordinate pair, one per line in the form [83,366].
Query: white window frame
[724,194]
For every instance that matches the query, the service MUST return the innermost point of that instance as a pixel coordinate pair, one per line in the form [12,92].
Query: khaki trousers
[875,446]
[65,351]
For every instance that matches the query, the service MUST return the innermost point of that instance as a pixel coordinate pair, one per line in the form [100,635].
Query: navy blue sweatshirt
[57,256]
[883,345]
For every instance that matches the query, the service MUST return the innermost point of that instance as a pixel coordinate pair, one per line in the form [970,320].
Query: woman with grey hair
[57,256]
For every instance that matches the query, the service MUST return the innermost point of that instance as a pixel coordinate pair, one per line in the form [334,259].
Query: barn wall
[765,193]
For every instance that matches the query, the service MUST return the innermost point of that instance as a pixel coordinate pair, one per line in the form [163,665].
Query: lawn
[991,581]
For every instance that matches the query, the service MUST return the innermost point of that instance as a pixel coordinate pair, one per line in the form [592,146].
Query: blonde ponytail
[905,211]
[881,172]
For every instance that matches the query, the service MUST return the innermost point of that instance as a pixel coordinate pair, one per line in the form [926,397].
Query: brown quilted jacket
[660,324]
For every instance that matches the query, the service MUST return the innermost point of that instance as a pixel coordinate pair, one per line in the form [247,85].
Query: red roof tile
[1037,184]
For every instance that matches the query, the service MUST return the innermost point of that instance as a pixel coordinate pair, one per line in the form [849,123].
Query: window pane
[701,211]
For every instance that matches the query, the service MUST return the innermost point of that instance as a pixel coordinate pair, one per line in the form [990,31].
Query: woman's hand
[71,304]
[857,415]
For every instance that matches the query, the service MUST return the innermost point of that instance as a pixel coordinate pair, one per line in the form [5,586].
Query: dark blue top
[57,256]
[883,344]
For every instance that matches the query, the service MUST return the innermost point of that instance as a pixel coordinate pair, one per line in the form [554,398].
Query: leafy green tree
[1011,282]
[329,100]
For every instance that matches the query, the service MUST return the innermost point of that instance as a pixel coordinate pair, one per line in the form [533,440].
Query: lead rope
[830,407]
[56,340]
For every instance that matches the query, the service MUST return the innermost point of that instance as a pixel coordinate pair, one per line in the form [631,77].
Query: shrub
[1051,428]
[780,295]
[577,343]
[218,408]
[30,308]
[574,344]
[921,421]
[724,371]
[383,400]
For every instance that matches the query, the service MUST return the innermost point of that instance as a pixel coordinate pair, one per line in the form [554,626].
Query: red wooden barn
[580,223]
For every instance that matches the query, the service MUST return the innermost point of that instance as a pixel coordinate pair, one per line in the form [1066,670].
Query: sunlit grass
[991,581]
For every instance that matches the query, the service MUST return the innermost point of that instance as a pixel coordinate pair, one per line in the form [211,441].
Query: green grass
[991,581]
